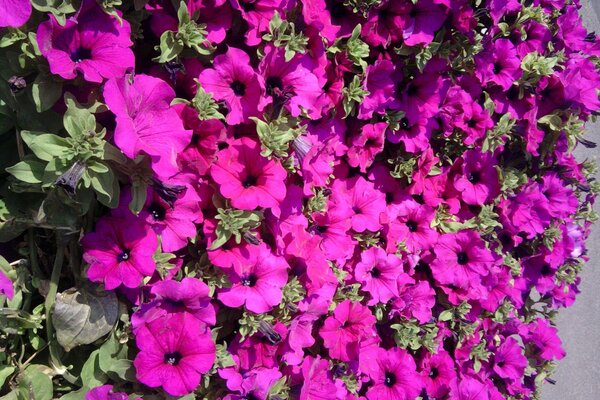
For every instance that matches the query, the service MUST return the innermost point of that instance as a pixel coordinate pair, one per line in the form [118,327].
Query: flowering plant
[291,199]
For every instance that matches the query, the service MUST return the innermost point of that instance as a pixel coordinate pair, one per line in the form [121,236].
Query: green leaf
[46,146]
[170,47]
[46,91]
[29,171]
[106,187]
[59,8]
[91,374]
[5,372]
[82,317]
[34,384]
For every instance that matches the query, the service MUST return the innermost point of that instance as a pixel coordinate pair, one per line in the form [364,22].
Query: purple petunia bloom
[120,252]
[92,43]
[105,392]
[6,286]
[234,81]
[174,353]
[145,121]
[394,376]
[14,13]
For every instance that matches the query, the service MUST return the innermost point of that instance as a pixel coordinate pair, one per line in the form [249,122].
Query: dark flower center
[474,177]
[157,211]
[238,88]
[274,85]
[81,54]
[472,123]
[319,229]
[356,210]
[497,68]
[248,5]
[375,272]
[434,373]
[172,358]
[249,181]
[249,280]
[123,256]
[411,225]
[404,124]
[390,379]
[500,364]
[462,258]
[338,10]
[546,270]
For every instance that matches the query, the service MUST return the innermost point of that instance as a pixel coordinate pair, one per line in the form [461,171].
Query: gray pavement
[578,375]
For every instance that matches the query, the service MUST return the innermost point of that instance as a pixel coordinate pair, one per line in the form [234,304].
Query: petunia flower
[380,83]
[478,180]
[14,13]
[190,295]
[317,382]
[438,373]
[381,275]
[394,376]
[145,121]
[256,281]
[174,353]
[258,14]
[500,64]
[415,301]
[248,179]
[342,332]
[289,84]
[413,225]
[461,259]
[120,251]
[174,223]
[92,43]
[105,392]
[366,145]
[253,384]
[509,361]
[234,81]
[6,286]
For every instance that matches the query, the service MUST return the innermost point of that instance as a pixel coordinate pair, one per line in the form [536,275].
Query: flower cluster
[315,199]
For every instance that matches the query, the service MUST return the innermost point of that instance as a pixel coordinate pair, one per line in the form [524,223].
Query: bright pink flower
[471,389]
[332,230]
[14,13]
[254,384]
[545,338]
[423,20]
[145,121]
[461,259]
[92,43]
[499,64]
[105,392]
[438,373]
[415,301]
[174,353]
[174,223]
[6,286]
[342,332]
[234,81]
[258,13]
[562,202]
[261,349]
[248,179]
[478,181]
[257,282]
[289,84]
[364,201]
[191,296]
[413,225]
[509,361]
[120,251]
[317,383]
[380,84]
[366,145]
[381,275]
[394,376]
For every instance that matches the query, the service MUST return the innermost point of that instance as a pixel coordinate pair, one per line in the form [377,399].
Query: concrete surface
[578,375]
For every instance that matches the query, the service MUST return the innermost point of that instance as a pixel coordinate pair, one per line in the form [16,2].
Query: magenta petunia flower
[438,373]
[381,275]
[366,144]
[317,382]
[413,225]
[105,392]
[415,301]
[256,281]
[145,121]
[364,201]
[253,384]
[120,251]
[14,13]
[478,181]
[545,339]
[248,179]
[191,296]
[461,259]
[258,13]
[174,353]
[471,389]
[289,85]
[342,332]
[6,286]
[379,82]
[394,376]
[424,18]
[500,64]
[234,81]
[174,223]
[92,43]
[509,361]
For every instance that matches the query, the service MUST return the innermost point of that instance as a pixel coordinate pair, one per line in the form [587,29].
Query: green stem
[49,304]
